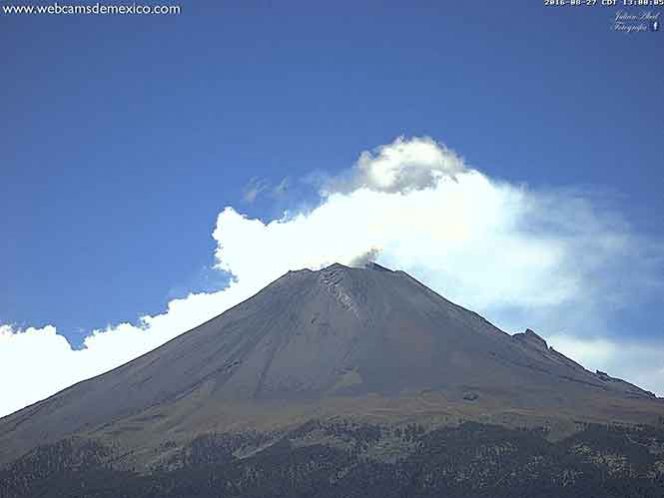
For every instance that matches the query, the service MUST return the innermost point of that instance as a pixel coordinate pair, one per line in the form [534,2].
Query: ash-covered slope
[313,337]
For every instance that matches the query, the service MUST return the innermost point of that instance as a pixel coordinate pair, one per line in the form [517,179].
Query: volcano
[370,345]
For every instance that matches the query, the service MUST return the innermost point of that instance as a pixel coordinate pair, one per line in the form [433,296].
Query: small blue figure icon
[654,26]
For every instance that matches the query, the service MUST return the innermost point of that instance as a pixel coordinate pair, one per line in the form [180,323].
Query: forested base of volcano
[343,459]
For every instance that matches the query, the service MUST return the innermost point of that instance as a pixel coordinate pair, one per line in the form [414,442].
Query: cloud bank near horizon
[552,261]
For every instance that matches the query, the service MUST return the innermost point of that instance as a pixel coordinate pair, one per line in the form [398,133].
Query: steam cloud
[371,256]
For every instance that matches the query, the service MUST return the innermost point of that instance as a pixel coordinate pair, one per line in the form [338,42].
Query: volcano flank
[366,345]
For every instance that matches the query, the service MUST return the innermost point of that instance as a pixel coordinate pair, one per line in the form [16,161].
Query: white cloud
[402,166]
[253,189]
[36,363]
[548,260]
[257,187]
[642,362]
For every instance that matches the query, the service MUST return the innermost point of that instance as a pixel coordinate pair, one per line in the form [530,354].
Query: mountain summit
[366,343]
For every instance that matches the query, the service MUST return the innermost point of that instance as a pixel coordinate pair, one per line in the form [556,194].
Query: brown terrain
[365,344]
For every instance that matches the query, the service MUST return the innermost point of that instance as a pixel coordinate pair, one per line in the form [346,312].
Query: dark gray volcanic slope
[319,335]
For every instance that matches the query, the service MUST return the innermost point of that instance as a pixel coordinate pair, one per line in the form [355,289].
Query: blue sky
[122,138]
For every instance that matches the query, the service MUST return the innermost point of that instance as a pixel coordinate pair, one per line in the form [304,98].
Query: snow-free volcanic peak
[358,342]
